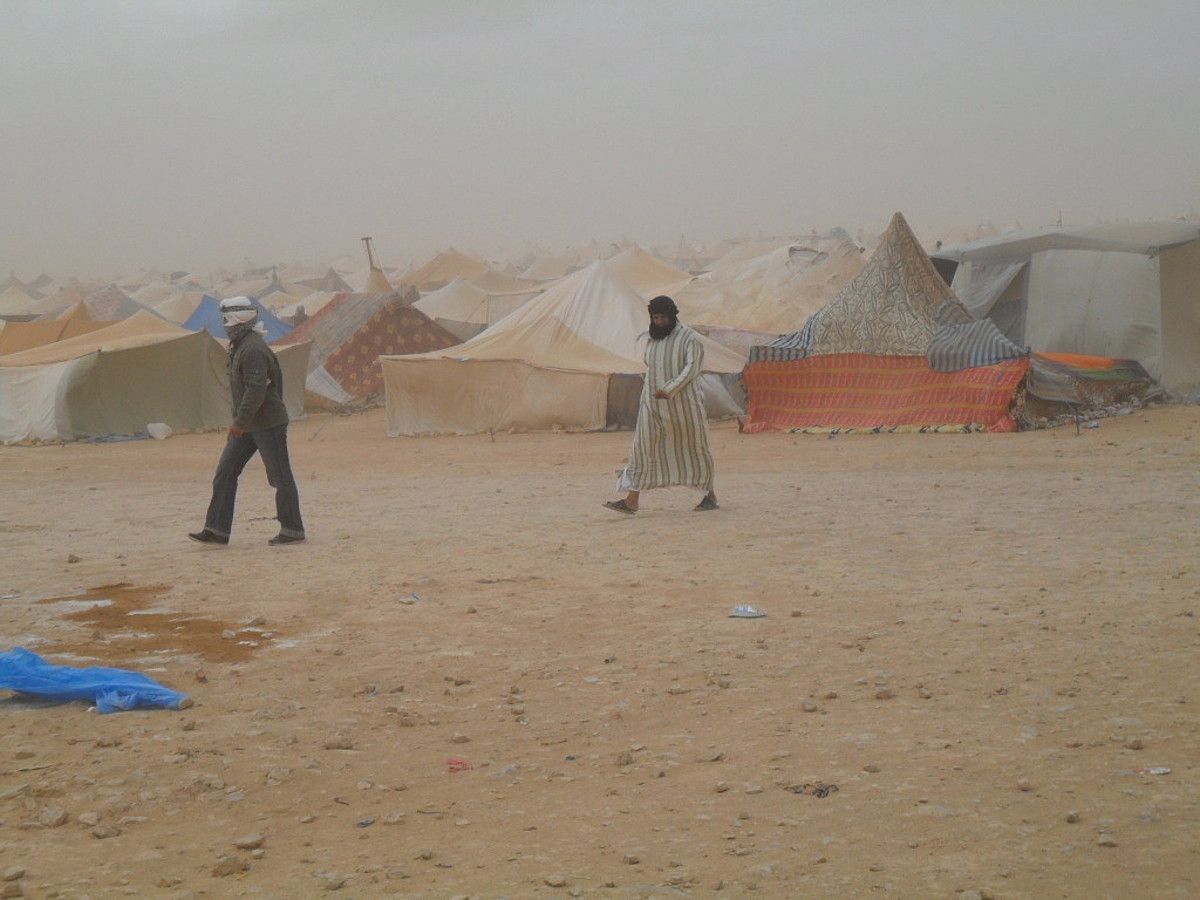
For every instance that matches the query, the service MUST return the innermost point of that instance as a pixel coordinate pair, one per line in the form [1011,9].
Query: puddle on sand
[124,630]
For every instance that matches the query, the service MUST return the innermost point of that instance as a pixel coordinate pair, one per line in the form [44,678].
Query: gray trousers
[271,445]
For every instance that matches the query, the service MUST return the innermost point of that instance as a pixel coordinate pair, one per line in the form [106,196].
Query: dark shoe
[285,539]
[620,506]
[706,504]
[207,537]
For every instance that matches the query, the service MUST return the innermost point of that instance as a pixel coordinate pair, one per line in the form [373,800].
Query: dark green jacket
[256,383]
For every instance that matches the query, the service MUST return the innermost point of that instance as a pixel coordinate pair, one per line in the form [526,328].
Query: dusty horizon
[143,136]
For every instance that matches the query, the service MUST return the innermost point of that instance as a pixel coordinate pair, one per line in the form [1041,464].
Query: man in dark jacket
[260,422]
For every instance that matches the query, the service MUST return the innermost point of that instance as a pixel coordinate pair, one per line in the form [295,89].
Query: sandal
[706,504]
[620,506]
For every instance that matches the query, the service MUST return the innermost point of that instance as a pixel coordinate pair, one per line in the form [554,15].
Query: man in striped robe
[670,443]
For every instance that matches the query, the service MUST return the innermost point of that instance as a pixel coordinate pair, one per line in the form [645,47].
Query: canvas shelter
[75,321]
[465,310]
[207,317]
[443,269]
[178,308]
[555,362]
[647,274]
[893,350]
[331,283]
[120,378]
[112,304]
[1118,291]
[502,282]
[351,332]
[774,291]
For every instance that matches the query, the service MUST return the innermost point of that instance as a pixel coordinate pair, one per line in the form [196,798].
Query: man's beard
[657,333]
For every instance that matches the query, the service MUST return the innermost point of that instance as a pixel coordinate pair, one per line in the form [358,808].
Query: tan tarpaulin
[461,303]
[547,364]
[26,335]
[503,283]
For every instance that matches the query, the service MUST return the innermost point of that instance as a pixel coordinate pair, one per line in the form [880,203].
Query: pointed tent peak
[646,273]
[889,308]
[377,283]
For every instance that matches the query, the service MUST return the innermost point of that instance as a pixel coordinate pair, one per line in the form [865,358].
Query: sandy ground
[977,638]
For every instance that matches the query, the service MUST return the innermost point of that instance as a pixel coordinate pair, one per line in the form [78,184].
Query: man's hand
[235,432]
[660,394]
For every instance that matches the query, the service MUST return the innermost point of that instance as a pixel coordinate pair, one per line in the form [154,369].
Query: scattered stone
[14,873]
[1072,817]
[871,767]
[339,742]
[677,689]
[884,693]
[101,832]
[229,865]
[395,817]
[460,739]
[1024,784]
[89,819]
[72,559]
[808,706]
[925,694]
[753,788]
[555,881]
[249,842]
[1104,839]
[830,695]
[1134,744]
[631,859]
[331,881]
[307,820]
[712,756]
[797,613]
[721,787]
[52,816]
[258,853]
[625,758]
[12,889]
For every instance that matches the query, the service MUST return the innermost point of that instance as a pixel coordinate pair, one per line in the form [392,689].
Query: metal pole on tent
[370,256]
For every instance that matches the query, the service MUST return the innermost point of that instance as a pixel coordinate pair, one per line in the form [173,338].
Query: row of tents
[818,334]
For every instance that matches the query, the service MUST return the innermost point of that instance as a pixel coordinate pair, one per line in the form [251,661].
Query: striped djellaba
[670,444]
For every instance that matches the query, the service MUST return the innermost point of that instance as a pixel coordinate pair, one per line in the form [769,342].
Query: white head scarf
[240,311]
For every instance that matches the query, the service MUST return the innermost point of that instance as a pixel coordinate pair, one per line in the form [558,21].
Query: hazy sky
[192,134]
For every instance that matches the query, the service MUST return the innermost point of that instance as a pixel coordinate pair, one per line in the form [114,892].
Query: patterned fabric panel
[857,390]
[394,330]
[957,347]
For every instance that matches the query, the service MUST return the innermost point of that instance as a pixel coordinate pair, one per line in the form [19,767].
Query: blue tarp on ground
[111,690]
[207,317]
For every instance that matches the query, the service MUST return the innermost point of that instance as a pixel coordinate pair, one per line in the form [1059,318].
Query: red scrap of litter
[454,764]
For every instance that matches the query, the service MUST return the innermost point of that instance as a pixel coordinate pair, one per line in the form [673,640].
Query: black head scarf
[663,306]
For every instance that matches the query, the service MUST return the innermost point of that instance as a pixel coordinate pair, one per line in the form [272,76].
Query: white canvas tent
[465,310]
[646,274]
[549,364]
[119,379]
[1125,291]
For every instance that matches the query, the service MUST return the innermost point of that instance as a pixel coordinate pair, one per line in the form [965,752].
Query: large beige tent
[647,274]
[465,310]
[120,378]
[443,269]
[552,363]
[1125,291]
